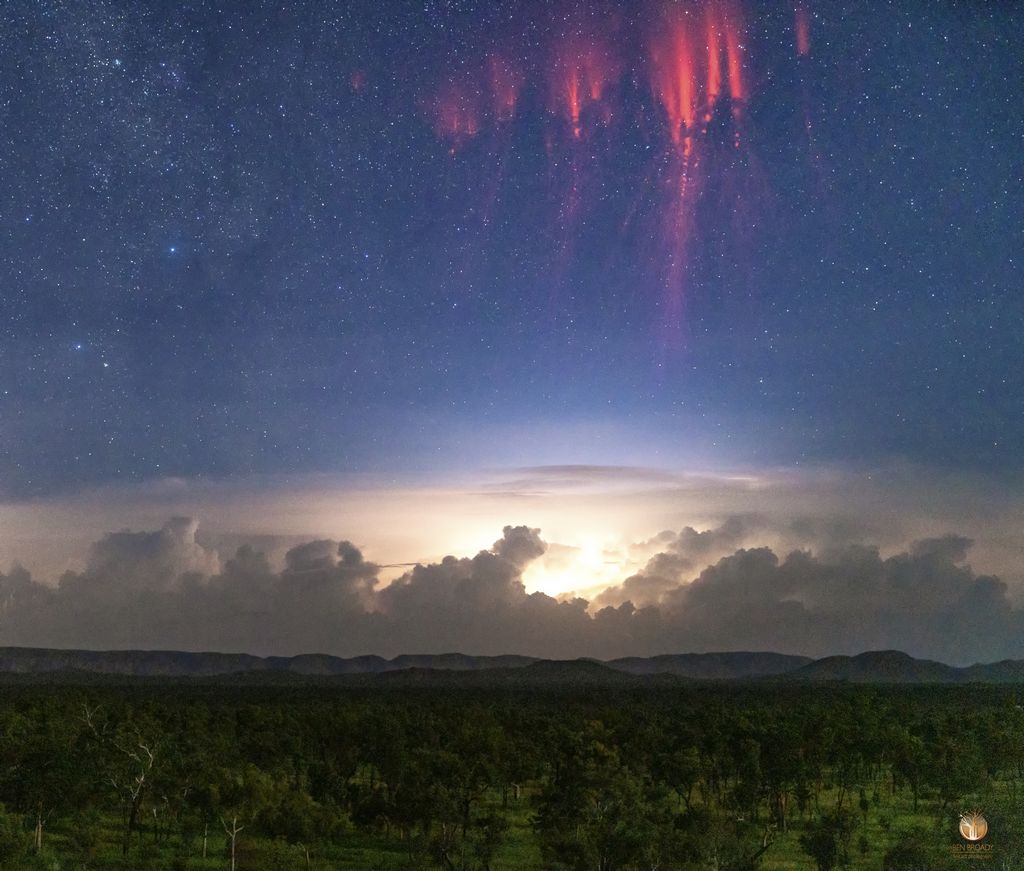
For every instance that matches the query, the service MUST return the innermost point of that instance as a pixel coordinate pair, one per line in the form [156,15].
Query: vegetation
[717,776]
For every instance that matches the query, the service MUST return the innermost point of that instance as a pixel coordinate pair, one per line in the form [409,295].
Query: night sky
[249,246]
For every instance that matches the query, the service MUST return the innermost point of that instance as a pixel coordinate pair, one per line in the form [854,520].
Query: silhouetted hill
[163,663]
[1004,671]
[878,666]
[712,666]
[158,663]
[537,674]
[458,662]
[41,665]
[322,664]
[143,663]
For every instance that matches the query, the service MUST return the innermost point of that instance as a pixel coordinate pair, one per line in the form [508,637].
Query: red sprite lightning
[714,54]
[583,69]
[686,51]
[455,113]
[685,60]
[734,54]
[695,57]
[802,27]
[674,80]
[506,81]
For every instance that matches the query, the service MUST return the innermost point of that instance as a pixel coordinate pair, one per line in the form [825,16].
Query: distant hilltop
[26,664]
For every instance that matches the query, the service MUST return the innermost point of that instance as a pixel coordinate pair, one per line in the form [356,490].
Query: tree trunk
[206,834]
[130,825]
[232,834]
[39,831]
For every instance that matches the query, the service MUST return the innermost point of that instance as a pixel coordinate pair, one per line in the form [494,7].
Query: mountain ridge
[880,666]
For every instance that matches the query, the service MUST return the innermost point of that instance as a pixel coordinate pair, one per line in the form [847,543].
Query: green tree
[240,796]
[912,851]
[13,839]
[594,814]
[486,837]
[827,840]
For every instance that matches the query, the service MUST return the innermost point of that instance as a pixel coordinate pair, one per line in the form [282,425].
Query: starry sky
[425,243]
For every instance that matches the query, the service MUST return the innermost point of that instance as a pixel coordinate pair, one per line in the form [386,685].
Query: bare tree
[232,832]
[130,771]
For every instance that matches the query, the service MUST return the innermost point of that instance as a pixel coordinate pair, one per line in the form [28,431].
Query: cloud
[924,601]
[480,603]
[699,590]
[680,553]
[150,560]
[519,545]
[592,508]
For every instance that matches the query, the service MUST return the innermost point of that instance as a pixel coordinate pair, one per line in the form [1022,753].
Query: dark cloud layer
[702,590]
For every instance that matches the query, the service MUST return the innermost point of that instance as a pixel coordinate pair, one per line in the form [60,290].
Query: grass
[358,850]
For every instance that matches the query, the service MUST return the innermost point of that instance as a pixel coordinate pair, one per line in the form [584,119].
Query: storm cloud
[699,591]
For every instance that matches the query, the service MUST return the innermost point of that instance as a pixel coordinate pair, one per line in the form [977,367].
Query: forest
[716,776]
